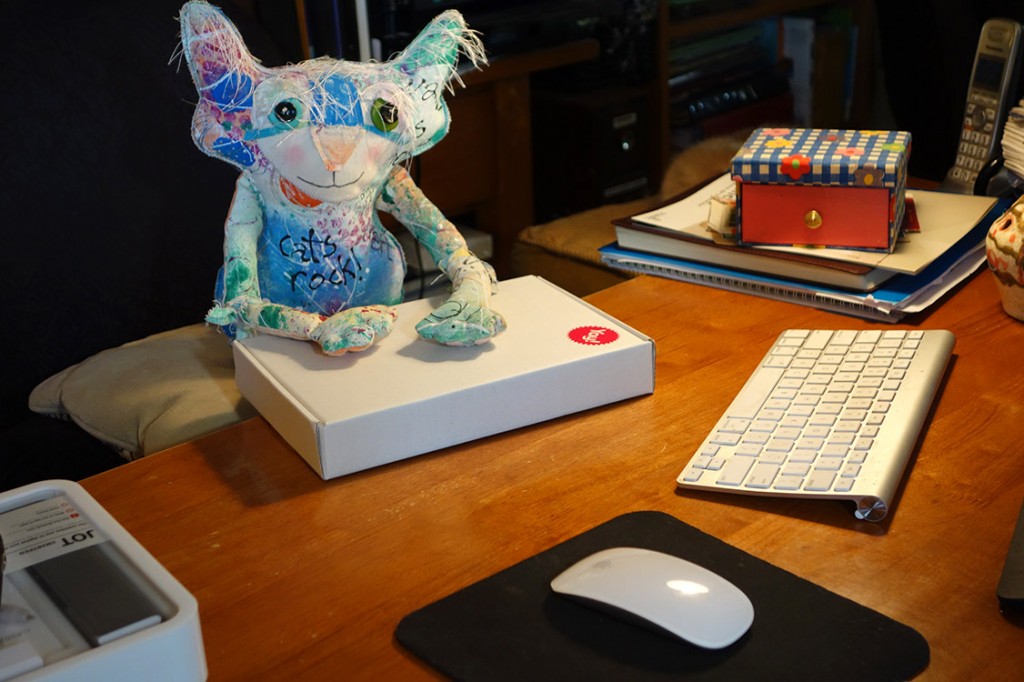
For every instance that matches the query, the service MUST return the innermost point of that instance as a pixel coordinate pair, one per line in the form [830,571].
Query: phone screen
[988,73]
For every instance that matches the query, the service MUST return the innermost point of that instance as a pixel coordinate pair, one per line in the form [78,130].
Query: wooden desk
[298,578]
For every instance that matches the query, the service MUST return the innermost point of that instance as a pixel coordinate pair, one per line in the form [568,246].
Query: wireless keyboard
[826,415]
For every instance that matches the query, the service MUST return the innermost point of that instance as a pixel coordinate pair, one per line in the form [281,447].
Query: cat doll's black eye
[287,112]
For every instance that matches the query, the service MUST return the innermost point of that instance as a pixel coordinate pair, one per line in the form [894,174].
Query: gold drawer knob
[812,219]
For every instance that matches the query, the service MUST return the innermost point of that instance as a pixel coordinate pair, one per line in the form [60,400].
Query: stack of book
[1013,140]
[942,244]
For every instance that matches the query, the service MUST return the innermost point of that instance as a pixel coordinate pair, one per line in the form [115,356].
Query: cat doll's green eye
[384,115]
[286,113]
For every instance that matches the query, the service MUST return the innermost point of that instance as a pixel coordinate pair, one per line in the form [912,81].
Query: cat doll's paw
[461,323]
[354,329]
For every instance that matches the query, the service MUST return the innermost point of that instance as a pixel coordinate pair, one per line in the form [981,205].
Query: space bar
[748,403]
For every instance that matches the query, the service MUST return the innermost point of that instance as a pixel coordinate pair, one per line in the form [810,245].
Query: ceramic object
[1003,249]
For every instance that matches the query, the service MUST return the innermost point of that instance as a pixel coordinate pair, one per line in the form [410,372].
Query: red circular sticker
[593,336]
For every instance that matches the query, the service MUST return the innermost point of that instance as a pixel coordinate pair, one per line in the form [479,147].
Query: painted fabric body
[323,262]
[321,147]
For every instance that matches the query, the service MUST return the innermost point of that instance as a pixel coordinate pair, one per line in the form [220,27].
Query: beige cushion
[580,235]
[150,394]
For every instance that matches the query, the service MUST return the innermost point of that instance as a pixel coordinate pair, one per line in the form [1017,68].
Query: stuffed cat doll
[321,146]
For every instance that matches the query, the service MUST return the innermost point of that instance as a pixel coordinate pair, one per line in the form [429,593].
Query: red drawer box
[833,188]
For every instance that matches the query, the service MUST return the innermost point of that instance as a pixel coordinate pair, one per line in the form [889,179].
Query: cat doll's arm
[466,318]
[241,303]
[243,306]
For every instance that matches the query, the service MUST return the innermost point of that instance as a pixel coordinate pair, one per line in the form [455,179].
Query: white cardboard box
[405,396]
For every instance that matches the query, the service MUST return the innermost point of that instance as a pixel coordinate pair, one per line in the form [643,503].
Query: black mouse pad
[511,626]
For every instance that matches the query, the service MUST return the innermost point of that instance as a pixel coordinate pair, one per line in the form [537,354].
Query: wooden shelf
[706,23]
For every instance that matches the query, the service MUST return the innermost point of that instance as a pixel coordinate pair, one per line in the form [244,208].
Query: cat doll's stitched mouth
[333,185]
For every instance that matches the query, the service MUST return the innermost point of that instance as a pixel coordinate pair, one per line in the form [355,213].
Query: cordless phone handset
[990,94]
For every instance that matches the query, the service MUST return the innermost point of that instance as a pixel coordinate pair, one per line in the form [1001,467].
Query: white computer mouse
[672,594]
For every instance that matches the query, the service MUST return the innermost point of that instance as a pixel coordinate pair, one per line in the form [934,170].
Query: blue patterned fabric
[864,158]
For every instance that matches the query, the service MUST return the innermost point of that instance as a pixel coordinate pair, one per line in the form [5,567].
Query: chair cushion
[149,394]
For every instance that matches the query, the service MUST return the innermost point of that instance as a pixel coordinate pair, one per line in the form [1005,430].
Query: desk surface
[301,578]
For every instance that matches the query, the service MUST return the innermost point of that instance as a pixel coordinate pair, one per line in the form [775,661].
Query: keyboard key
[795,469]
[692,474]
[844,485]
[818,339]
[820,480]
[835,450]
[810,443]
[789,483]
[755,392]
[802,456]
[779,445]
[722,438]
[844,337]
[762,475]
[748,449]
[829,463]
[735,426]
[850,470]
[735,471]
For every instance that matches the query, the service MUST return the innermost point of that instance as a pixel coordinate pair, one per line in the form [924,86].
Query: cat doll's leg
[466,318]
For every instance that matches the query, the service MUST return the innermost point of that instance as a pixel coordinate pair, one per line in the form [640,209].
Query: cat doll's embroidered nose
[335,144]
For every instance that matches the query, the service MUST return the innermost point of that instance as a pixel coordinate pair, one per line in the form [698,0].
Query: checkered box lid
[809,156]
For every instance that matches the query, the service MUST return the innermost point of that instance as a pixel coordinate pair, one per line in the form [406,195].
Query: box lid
[810,156]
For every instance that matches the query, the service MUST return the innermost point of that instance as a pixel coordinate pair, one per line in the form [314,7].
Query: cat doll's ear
[225,75]
[430,61]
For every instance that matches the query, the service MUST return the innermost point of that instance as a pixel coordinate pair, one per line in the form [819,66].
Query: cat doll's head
[328,130]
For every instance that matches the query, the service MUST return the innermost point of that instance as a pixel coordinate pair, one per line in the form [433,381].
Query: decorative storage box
[839,188]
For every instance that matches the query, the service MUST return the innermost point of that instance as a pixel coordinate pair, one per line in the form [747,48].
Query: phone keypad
[975,138]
